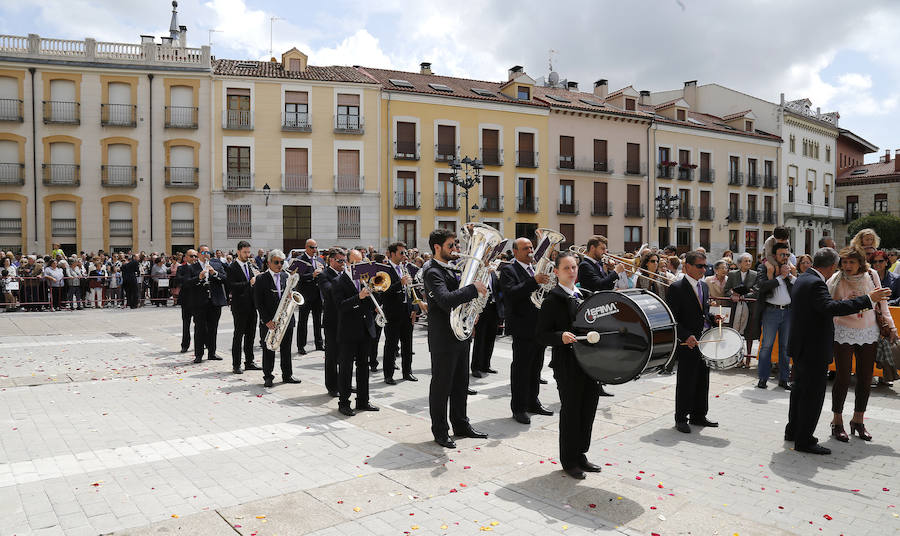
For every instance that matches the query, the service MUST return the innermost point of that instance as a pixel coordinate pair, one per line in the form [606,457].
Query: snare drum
[725,352]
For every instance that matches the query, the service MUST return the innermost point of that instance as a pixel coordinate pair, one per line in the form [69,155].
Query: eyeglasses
[204,253]
[192,256]
[699,266]
[340,261]
[879,261]
[312,247]
[273,261]
[648,262]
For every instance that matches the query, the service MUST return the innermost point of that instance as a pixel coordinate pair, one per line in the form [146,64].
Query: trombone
[635,264]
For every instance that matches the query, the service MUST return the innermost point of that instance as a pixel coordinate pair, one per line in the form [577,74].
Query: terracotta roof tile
[618,92]
[735,115]
[710,122]
[579,100]
[271,69]
[664,105]
[878,171]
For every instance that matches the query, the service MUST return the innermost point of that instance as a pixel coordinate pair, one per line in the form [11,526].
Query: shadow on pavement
[669,436]
[802,468]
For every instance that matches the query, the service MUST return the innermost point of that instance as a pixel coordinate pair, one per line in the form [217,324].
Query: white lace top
[848,335]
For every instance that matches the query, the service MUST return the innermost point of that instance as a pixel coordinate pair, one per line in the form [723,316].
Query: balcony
[238,180]
[707,213]
[118,115]
[735,214]
[237,120]
[735,178]
[685,212]
[665,172]
[566,162]
[492,203]
[10,226]
[61,174]
[769,217]
[707,175]
[62,112]
[120,228]
[445,152]
[182,177]
[634,210]
[296,182]
[527,159]
[349,124]
[754,179]
[827,213]
[182,117]
[12,174]
[527,204]
[407,200]
[445,201]
[770,181]
[603,166]
[851,215]
[492,157]
[349,184]
[797,209]
[603,208]
[636,168]
[570,209]
[182,227]
[118,176]
[753,215]
[63,226]
[406,150]
[11,110]
[685,173]
[295,122]
[64,51]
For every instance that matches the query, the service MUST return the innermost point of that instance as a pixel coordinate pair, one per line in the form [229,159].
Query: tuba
[483,244]
[379,282]
[544,264]
[290,300]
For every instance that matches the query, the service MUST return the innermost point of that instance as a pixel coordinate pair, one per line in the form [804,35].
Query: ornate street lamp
[471,176]
[665,204]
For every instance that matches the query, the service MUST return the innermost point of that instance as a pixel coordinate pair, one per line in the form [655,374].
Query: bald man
[309,287]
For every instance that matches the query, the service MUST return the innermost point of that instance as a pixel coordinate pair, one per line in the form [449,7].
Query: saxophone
[482,243]
[290,300]
[544,264]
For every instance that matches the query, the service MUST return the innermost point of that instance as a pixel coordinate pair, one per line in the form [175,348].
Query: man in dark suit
[449,355]
[688,298]
[356,325]
[130,271]
[592,274]
[267,292]
[337,258]
[518,281]
[309,287]
[182,275]
[241,276]
[398,311]
[207,279]
[486,331]
[811,345]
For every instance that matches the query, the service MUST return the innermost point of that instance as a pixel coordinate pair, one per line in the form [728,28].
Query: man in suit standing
[811,345]
[486,331]
[241,278]
[738,285]
[267,292]
[774,304]
[182,276]
[592,274]
[688,298]
[130,271]
[398,311]
[356,325]
[207,277]
[309,288]
[449,355]
[518,281]
[337,258]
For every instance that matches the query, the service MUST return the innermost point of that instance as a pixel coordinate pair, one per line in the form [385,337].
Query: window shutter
[345,99]
[490,139]
[296,97]
[446,135]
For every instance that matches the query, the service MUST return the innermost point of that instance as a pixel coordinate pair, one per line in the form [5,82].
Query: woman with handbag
[856,334]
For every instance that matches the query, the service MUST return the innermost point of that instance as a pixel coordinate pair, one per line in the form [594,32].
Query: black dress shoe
[390,381]
[184,349]
[789,436]
[268,383]
[333,394]
[346,410]
[603,392]
[761,384]
[471,433]
[373,366]
[477,374]
[704,422]
[522,417]
[683,427]
[471,392]
[490,371]
[410,378]
[320,347]
[214,357]
[446,442]
[542,381]
[590,467]
[540,410]
[301,351]
[237,371]
[252,366]
[576,473]
[290,379]
[367,407]
[814,448]
[198,360]
[785,385]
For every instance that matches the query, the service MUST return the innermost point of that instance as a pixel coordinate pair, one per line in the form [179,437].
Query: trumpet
[410,287]
[635,264]
[380,282]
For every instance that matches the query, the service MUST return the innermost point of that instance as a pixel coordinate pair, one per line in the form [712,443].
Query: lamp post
[267,190]
[665,204]
[471,176]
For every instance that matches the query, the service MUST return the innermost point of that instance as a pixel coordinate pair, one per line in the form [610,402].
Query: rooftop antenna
[211,31]
[271,25]
[550,58]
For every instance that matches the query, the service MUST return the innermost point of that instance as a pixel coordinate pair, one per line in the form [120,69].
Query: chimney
[690,94]
[601,88]
[183,37]
[645,97]
[425,68]
[782,100]
[515,71]
[887,156]
[897,161]
[147,39]
[572,86]
[818,112]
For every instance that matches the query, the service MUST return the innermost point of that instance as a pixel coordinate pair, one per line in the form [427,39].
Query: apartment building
[101,143]
[598,164]
[864,189]
[295,154]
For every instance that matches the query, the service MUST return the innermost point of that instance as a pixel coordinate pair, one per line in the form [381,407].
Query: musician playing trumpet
[400,314]
[578,392]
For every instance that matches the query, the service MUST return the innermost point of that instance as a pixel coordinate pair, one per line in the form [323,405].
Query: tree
[887,226]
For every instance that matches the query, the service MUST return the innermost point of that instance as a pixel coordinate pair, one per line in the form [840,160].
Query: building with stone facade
[864,189]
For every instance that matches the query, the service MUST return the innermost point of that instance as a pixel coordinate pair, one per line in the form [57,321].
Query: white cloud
[361,48]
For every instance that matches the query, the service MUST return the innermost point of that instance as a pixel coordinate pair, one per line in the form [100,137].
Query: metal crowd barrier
[36,292]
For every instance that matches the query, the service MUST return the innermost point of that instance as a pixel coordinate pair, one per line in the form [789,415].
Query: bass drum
[637,335]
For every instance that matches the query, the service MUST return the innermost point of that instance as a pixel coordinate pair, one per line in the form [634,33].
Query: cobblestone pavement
[105,427]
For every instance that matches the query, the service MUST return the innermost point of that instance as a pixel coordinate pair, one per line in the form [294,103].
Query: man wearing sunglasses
[267,291]
[207,277]
[337,259]
[182,275]
[309,287]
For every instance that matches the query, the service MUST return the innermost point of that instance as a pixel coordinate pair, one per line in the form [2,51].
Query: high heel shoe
[837,431]
[860,430]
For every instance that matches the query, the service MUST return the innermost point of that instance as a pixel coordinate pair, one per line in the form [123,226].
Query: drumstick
[720,320]
[592,337]
[704,342]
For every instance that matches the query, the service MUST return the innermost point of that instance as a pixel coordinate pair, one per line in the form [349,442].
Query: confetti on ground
[356,508]
[828,517]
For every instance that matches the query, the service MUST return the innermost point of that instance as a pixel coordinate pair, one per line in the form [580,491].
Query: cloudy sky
[840,59]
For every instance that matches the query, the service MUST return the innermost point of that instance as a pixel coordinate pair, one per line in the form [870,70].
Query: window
[406,140]
[348,111]
[633,159]
[182,113]
[406,232]
[828,153]
[629,104]
[119,110]
[406,190]
[446,192]
[684,165]
[809,192]
[62,107]
[296,170]
[684,203]
[347,222]
[238,108]
[601,200]
[750,241]
[704,239]
[748,126]
[348,177]
[733,240]
[753,177]
[752,215]
[852,208]
[238,174]
[663,237]
[526,200]
[568,231]
[633,237]
[793,147]
[524,92]
[601,230]
[706,174]
[400,83]
[296,109]
[566,197]
[446,145]
[734,203]
[119,170]
[600,161]
[448,225]
[238,221]
[490,147]
[441,87]
[297,226]
[526,156]
[734,170]
[881,203]
[682,240]
[528,230]
[490,188]
[827,192]
[566,152]
[805,148]
[681,114]
[633,208]
[768,209]
[294,65]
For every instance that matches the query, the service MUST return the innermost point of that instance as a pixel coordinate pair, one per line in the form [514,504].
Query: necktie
[278,283]
[356,284]
[247,271]
[700,294]
[577,295]
[530,271]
